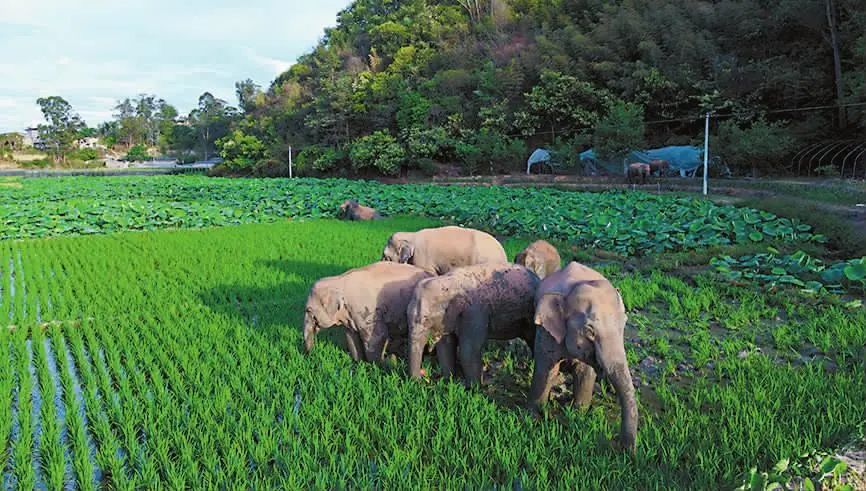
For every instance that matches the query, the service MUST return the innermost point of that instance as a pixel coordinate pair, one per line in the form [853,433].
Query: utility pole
[706,152]
[290,162]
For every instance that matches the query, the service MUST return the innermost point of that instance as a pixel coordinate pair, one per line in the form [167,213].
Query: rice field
[174,359]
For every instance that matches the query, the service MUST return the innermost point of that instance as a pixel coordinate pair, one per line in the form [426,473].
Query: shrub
[240,151]
[489,150]
[319,158]
[761,145]
[428,143]
[619,131]
[378,150]
[85,154]
[137,153]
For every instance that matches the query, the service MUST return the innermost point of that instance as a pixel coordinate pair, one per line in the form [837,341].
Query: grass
[179,363]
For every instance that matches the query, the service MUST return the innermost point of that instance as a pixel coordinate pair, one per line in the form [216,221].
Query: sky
[94,53]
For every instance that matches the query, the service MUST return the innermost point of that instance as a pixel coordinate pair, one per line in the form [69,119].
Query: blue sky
[95,52]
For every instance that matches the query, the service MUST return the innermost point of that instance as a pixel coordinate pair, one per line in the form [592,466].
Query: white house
[90,142]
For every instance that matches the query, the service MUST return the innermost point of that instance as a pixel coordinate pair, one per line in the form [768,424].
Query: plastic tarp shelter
[684,158]
[539,156]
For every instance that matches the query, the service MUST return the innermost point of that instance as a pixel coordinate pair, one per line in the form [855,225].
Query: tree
[249,95]
[61,132]
[211,119]
[619,131]
[240,151]
[760,145]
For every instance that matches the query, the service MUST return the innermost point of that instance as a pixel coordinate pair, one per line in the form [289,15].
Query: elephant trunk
[616,369]
[416,352]
[309,332]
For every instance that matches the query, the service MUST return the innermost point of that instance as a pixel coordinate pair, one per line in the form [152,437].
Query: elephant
[660,166]
[461,310]
[352,210]
[540,257]
[638,172]
[439,250]
[369,302]
[580,319]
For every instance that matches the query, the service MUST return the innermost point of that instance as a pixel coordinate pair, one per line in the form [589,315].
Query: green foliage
[240,151]
[619,131]
[137,153]
[489,151]
[626,223]
[379,151]
[428,143]
[84,154]
[62,128]
[321,159]
[762,145]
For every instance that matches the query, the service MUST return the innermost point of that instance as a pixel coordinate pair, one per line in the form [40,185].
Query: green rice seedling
[22,449]
[7,383]
[51,450]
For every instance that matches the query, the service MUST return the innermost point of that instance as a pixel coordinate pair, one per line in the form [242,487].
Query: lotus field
[149,345]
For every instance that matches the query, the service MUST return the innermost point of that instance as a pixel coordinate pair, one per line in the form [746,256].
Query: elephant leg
[375,346]
[584,380]
[353,342]
[446,353]
[547,359]
[473,334]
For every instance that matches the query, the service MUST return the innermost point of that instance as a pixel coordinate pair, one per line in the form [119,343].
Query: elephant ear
[549,314]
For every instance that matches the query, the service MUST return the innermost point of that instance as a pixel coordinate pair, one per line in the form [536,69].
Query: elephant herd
[639,172]
[451,289]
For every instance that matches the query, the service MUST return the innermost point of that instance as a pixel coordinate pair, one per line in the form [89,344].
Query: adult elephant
[464,309]
[439,250]
[638,173]
[659,166]
[581,318]
[369,302]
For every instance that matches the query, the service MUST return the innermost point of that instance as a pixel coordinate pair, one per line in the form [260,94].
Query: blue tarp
[540,155]
[684,158]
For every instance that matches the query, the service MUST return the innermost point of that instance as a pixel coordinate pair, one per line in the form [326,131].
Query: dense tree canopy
[434,75]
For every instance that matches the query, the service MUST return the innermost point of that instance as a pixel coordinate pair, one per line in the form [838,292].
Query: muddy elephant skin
[581,320]
[439,250]
[369,302]
[464,309]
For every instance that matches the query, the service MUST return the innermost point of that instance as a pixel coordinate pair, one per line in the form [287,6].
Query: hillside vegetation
[407,84]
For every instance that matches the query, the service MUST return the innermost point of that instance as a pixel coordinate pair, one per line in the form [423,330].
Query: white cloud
[96,52]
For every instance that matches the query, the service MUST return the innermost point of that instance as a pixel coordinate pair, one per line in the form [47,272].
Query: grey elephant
[352,210]
[540,257]
[439,250]
[464,309]
[581,318]
[369,302]
[638,173]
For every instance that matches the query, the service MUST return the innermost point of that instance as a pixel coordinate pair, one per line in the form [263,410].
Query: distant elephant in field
[581,319]
[464,309]
[369,302]
[439,250]
[638,173]
[352,210]
[540,257]
[659,166]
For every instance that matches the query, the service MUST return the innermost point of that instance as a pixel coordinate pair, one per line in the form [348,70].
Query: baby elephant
[439,250]
[581,318]
[638,173]
[540,257]
[466,307]
[352,210]
[660,166]
[369,302]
